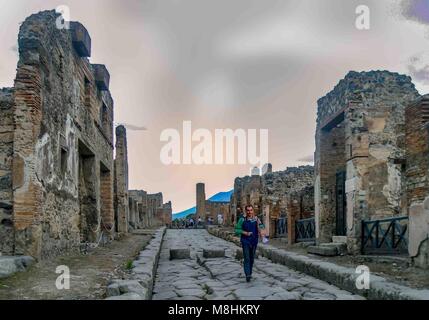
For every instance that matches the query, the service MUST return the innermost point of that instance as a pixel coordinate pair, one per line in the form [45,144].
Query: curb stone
[339,276]
[10,265]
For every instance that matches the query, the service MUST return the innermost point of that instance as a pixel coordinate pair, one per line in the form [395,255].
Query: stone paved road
[223,278]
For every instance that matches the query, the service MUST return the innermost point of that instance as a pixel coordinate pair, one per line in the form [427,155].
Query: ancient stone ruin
[276,195]
[207,209]
[57,172]
[360,153]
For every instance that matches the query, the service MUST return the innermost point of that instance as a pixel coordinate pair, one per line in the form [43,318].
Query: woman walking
[249,228]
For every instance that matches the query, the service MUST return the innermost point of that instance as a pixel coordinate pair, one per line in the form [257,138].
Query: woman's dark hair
[248,206]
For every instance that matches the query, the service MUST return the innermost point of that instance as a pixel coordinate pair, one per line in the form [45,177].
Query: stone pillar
[106,203]
[418,243]
[121,175]
[168,213]
[27,189]
[292,216]
[266,219]
[136,213]
[131,214]
[139,210]
[201,201]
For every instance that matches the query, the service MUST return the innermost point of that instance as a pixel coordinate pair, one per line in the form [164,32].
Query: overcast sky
[229,64]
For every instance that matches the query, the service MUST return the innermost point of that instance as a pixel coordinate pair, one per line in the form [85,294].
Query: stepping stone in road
[213,253]
[180,253]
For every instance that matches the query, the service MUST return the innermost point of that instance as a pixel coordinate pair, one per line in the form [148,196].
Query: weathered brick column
[201,201]
[121,180]
[28,193]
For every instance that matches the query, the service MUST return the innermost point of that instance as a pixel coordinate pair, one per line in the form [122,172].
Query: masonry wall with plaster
[56,143]
[59,185]
[360,153]
[417,179]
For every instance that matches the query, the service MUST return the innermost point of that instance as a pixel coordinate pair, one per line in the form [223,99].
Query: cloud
[418,68]
[14,48]
[416,10]
[307,159]
[133,127]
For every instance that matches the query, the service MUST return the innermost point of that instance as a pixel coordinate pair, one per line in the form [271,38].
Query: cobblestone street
[223,278]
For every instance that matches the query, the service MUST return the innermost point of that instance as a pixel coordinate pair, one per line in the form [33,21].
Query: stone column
[201,201]
[293,213]
[136,214]
[121,175]
[418,243]
[266,219]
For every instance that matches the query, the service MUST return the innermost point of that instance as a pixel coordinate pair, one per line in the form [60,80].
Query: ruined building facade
[150,210]
[57,144]
[59,185]
[360,154]
[273,193]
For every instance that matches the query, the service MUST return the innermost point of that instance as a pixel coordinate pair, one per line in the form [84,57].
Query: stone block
[213,253]
[11,265]
[341,247]
[326,251]
[180,253]
[102,76]
[130,286]
[113,290]
[127,296]
[339,239]
[81,39]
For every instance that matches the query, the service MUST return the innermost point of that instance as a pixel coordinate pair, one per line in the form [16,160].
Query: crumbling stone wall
[361,121]
[213,208]
[140,198]
[164,214]
[154,202]
[206,209]
[271,193]
[133,222]
[6,155]
[62,129]
[151,210]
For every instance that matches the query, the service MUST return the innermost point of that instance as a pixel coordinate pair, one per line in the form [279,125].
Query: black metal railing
[385,236]
[281,227]
[305,230]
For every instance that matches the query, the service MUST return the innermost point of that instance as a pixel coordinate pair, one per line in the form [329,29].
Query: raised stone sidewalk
[10,265]
[140,286]
[342,277]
